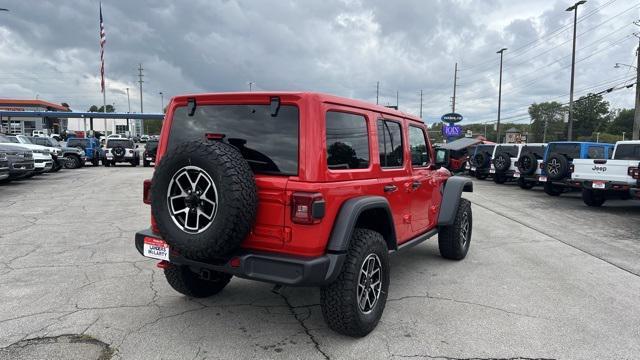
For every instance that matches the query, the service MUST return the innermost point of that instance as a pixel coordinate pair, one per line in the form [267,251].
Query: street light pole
[501,52]
[573,8]
[636,118]
[129,112]
[161,102]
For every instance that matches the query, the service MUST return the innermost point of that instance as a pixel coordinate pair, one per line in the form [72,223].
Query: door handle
[415,184]
[390,188]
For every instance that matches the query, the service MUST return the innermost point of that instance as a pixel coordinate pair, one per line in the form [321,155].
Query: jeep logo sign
[599,169]
[451,118]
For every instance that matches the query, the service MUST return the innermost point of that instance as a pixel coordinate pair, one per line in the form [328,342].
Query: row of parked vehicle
[23,156]
[600,171]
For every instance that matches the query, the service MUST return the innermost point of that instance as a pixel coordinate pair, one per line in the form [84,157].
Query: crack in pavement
[307,331]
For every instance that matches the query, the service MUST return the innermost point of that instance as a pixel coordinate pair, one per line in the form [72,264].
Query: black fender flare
[451,193]
[348,217]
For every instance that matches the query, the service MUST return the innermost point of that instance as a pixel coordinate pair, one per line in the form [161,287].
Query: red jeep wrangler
[298,189]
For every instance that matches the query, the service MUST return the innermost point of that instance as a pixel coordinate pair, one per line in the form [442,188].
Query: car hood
[13,147]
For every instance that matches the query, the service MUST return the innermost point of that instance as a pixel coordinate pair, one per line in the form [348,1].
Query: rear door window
[628,152]
[418,147]
[268,143]
[390,144]
[81,142]
[512,150]
[537,151]
[347,141]
[572,151]
[118,142]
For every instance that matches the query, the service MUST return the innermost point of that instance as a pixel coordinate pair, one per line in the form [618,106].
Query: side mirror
[137,146]
[442,157]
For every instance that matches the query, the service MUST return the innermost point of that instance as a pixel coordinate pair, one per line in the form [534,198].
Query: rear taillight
[146,191]
[572,168]
[307,208]
[154,225]
[541,165]
[634,172]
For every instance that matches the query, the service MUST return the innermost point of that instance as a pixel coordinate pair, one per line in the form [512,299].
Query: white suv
[121,150]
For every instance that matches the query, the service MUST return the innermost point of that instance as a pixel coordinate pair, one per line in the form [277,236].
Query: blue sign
[452,130]
[451,118]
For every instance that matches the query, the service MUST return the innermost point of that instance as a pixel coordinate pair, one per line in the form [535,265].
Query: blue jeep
[91,147]
[557,163]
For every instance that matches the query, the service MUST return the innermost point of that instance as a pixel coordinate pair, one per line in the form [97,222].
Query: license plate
[492,171]
[516,175]
[149,158]
[598,185]
[473,168]
[467,166]
[542,179]
[156,248]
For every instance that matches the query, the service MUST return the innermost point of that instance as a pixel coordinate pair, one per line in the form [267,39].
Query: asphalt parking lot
[544,278]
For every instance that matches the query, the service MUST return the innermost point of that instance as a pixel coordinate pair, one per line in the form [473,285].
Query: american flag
[103,39]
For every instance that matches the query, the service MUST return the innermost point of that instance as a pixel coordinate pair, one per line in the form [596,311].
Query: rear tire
[499,178]
[480,176]
[593,198]
[526,185]
[73,162]
[188,283]
[551,189]
[340,304]
[454,240]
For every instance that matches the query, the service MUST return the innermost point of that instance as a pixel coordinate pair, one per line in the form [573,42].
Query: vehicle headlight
[80,152]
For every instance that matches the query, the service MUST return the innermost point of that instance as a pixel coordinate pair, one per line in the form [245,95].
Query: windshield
[5,139]
[125,143]
[78,142]
[41,141]
[485,148]
[13,139]
[570,150]
[628,152]
[24,139]
[151,146]
[268,143]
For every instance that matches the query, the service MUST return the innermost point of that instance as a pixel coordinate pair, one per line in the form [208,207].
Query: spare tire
[557,166]
[118,152]
[481,159]
[204,199]
[527,164]
[502,162]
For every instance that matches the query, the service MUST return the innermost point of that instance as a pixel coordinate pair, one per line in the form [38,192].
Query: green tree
[547,122]
[622,121]
[590,114]
[94,108]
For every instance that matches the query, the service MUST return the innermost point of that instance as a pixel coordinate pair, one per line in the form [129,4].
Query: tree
[110,108]
[590,114]
[622,121]
[547,122]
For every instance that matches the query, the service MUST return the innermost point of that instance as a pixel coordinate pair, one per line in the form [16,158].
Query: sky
[50,50]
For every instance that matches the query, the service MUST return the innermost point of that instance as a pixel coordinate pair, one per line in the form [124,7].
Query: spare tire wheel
[118,152]
[204,199]
[527,164]
[480,160]
[502,162]
[557,166]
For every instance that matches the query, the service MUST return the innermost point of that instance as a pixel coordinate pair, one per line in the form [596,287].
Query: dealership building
[26,125]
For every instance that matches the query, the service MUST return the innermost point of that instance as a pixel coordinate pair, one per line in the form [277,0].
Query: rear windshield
[125,143]
[572,151]
[151,146]
[512,150]
[537,151]
[485,148]
[628,152]
[268,143]
[79,142]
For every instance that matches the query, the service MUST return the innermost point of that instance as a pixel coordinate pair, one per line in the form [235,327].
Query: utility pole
[250,85]
[141,107]
[623,133]
[544,133]
[636,117]
[455,82]
[573,8]
[501,52]
[420,103]
[128,112]
[161,102]
[377,92]
[397,100]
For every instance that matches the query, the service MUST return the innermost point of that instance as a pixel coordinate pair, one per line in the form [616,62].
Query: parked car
[503,161]
[41,155]
[72,157]
[20,161]
[149,155]
[288,192]
[618,177]
[119,151]
[4,166]
[558,160]
[91,147]
[529,165]
[144,138]
[481,160]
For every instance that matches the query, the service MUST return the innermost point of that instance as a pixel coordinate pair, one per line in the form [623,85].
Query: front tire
[454,240]
[73,162]
[593,198]
[188,283]
[353,304]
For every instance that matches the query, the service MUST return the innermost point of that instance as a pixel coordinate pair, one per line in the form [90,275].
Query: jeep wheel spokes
[369,283]
[192,199]
[553,167]
[464,229]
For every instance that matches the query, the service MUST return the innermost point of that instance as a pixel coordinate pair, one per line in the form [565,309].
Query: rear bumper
[268,267]
[609,185]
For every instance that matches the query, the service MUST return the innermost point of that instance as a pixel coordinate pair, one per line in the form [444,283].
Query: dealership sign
[451,130]
[451,118]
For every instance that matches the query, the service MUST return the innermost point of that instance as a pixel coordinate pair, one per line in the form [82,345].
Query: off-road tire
[481,176]
[339,300]
[56,167]
[73,162]
[451,243]
[106,163]
[526,185]
[236,201]
[499,178]
[551,189]
[188,283]
[562,164]
[145,163]
[593,198]
[96,160]
[502,162]
[529,159]
[481,160]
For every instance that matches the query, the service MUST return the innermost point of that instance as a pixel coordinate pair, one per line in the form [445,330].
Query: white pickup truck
[618,177]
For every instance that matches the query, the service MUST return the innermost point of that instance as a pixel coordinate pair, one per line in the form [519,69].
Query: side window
[390,144]
[347,141]
[595,152]
[418,147]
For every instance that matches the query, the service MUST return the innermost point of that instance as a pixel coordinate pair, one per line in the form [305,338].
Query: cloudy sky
[50,49]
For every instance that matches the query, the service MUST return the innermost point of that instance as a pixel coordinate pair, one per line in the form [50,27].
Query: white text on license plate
[598,185]
[148,158]
[473,168]
[542,179]
[156,248]
[492,171]
[516,175]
